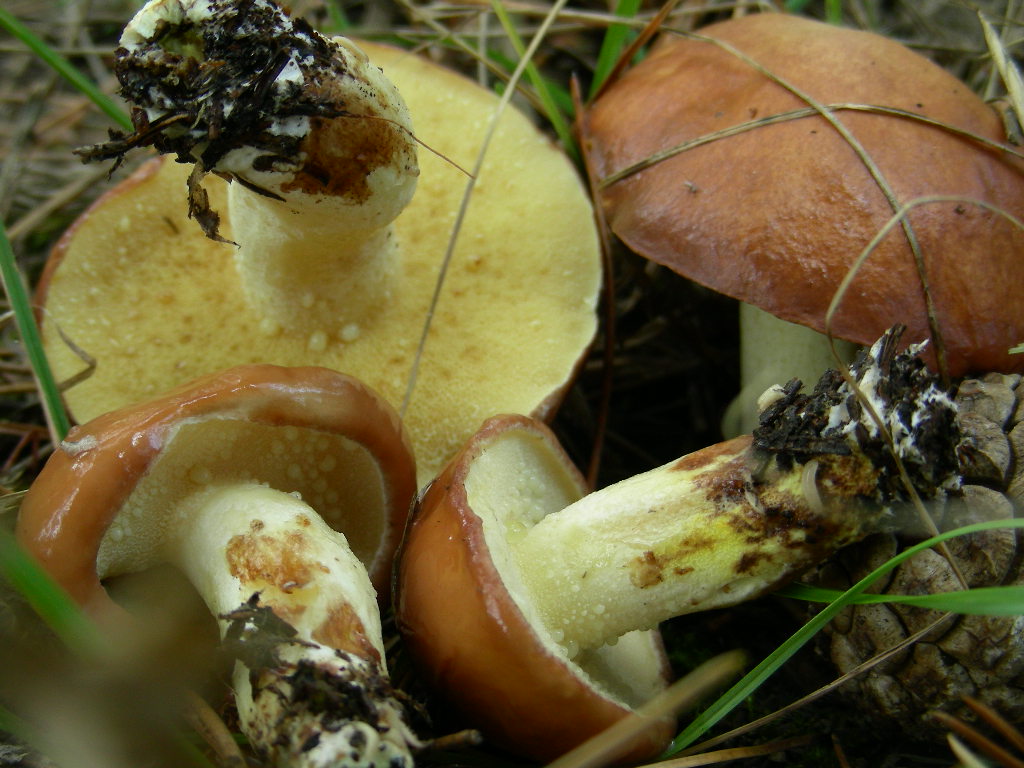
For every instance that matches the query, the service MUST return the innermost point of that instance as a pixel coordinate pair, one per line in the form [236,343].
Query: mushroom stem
[310,682]
[773,350]
[318,142]
[285,274]
[734,520]
[713,529]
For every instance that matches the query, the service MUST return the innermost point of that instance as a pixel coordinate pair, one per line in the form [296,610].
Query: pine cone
[980,656]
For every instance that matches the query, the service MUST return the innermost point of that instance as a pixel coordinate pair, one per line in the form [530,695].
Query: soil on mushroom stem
[675,360]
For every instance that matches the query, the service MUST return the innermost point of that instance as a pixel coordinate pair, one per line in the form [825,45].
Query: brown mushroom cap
[137,286]
[470,626]
[776,216]
[310,431]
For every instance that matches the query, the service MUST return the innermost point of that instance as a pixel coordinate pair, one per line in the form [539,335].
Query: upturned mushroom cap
[469,622]
[223,479]
[307,431]
[137,286]
[777,215]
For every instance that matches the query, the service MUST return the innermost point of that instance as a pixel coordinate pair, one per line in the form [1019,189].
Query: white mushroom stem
[710,530]
[324,256]
[773,351]
[320,697]
[317,141]
[734,520]
[296,282]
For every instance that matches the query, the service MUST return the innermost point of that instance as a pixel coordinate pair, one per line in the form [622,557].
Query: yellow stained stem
[712,529]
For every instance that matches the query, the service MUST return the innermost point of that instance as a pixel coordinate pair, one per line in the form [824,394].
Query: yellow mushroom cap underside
[136,285]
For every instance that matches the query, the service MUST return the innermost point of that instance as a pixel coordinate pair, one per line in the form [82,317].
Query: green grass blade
[554,114]
[833,9]
[559,95]
[14,725]
[47,599]
[338,22]
[980,601]
[64,68]
[29,332]
[616,37]
[753,679]
[191,752]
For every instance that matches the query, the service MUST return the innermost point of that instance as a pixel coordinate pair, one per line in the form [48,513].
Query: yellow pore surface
[335,476]
[155,303]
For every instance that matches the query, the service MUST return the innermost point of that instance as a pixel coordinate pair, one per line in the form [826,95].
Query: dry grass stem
[681,695]
[738,753]
[980,742]
[967,758]
[1006,730]
[499,109]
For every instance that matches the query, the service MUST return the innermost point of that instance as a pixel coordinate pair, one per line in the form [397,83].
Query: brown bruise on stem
[343,629]
[694,461]
[276,562]
[650,569]
[645,571]
[764,506]
[369,141]
[283,564]
[271,562]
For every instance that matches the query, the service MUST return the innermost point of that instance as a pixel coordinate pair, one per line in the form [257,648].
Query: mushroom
[776,216]
[231,479]
[531,607]
[320,165]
